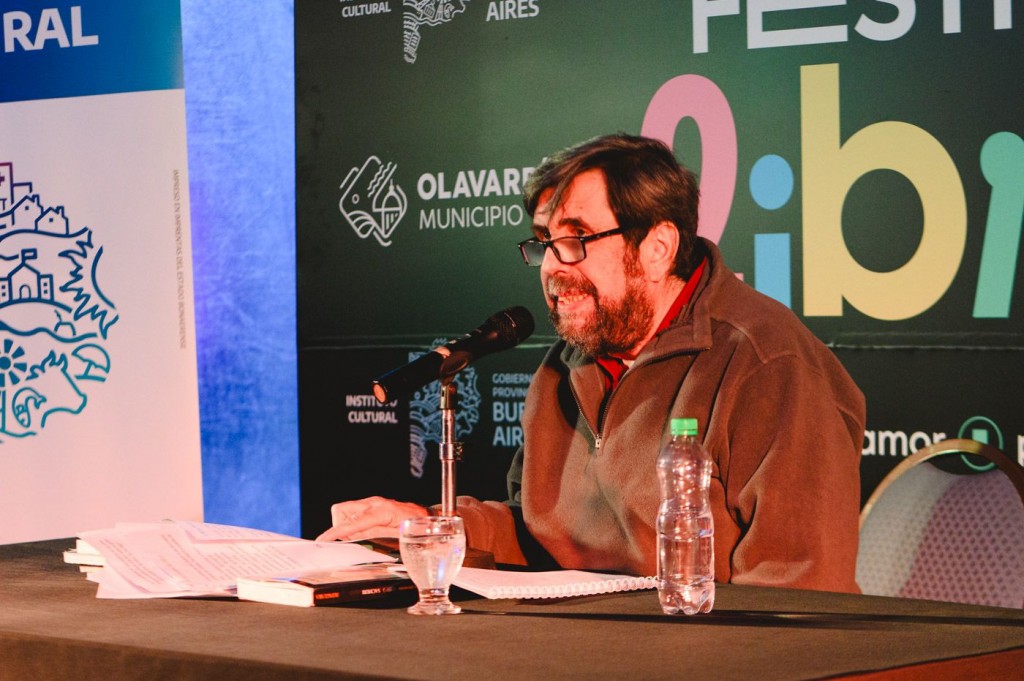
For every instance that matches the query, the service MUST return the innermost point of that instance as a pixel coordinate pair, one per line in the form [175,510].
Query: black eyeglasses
[568,249]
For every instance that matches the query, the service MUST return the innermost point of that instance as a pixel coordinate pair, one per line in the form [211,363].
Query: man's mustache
[557,285]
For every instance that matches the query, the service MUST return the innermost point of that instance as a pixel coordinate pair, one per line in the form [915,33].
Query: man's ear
[658,251]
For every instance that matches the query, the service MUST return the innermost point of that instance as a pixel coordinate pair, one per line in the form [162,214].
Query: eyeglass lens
[568,250]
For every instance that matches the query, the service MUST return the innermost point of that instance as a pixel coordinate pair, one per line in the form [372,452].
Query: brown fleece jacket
[783,421]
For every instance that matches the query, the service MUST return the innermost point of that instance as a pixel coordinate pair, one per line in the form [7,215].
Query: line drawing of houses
[11,192]
[26,283]
[26,212]
[53,221]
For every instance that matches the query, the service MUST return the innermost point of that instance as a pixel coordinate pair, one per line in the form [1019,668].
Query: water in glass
[433,549]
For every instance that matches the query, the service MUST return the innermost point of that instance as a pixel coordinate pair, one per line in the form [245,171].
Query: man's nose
[551,263]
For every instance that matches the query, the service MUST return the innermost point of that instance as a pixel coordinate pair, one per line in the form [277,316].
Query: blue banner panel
[74,48]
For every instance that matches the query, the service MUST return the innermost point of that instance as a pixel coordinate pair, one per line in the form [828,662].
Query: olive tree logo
[54,316]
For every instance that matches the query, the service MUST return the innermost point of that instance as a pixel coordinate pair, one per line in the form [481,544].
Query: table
[53,627]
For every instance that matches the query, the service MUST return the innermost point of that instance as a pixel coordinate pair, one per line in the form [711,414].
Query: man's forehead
[543,210]
[586,196]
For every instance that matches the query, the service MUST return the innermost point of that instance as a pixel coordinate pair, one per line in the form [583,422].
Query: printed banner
[98,394]
[860,161]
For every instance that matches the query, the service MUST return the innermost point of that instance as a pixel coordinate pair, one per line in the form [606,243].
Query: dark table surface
[52,626]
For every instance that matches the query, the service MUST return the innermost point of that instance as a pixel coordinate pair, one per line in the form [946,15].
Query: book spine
[348,594]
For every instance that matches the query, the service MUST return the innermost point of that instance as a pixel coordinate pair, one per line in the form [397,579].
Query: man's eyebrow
[576,223]
[542,231]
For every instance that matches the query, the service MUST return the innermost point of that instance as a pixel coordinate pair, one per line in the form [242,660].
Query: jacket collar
[691,331]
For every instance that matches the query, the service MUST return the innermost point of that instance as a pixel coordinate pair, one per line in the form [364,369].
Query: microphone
[501,331]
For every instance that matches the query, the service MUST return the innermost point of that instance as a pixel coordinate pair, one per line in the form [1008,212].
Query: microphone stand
[450,450]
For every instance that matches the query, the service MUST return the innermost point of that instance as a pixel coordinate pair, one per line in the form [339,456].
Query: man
[655,326]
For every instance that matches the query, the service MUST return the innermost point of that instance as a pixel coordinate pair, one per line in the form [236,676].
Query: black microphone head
[513,326]
[501,331]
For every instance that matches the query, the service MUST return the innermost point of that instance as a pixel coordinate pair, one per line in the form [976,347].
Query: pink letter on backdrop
[697,97]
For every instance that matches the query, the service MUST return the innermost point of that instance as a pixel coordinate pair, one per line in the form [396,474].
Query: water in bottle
[686,562]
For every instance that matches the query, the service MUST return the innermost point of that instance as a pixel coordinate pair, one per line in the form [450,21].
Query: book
[551,584]
[327,587]
[84,555]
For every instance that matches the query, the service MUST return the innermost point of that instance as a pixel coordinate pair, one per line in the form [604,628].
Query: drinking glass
[433,548]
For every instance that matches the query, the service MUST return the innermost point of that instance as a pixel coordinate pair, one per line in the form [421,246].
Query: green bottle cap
[683,427]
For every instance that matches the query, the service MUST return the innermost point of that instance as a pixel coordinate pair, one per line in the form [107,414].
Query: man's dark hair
[646,185]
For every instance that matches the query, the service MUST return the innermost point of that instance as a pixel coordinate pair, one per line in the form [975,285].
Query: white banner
[99,417]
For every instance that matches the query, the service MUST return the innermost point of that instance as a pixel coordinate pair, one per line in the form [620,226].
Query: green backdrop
[860,161]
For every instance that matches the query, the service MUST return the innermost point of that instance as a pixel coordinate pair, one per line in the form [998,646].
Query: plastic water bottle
[686,531]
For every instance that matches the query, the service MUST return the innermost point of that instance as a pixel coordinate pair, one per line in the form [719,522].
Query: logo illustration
[985,430]
[425,13]
[425,413]
[54,317]
[371,202]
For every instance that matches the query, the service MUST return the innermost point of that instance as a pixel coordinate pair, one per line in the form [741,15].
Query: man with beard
[655,326]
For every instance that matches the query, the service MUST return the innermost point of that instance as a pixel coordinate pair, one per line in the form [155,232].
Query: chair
[928,533]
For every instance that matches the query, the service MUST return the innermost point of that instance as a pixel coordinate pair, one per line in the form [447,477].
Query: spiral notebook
[553,584]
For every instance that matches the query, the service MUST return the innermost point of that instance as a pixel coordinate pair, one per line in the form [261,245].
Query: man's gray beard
[618,328]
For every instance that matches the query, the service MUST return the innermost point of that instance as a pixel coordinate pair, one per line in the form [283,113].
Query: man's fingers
[349,533]
[367,518]
[343,513]
[333,534]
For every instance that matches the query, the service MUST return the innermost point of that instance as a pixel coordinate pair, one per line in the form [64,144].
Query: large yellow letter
[829,170]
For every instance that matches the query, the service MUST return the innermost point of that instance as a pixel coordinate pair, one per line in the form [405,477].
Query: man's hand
[369,518]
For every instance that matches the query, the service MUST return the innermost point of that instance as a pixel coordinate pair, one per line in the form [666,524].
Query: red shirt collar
[614,367]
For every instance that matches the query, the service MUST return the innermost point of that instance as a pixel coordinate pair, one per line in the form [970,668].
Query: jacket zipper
[596,433]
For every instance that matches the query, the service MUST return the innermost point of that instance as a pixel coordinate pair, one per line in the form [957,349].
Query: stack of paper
[183,558]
